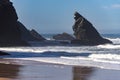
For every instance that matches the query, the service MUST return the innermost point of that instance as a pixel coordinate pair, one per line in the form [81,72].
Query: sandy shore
[29,70]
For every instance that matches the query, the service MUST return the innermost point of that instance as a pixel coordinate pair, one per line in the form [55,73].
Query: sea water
[105,56]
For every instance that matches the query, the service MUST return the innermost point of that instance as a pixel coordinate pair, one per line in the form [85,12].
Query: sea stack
[85,33]
[9,30]
[12,31]
[63,36]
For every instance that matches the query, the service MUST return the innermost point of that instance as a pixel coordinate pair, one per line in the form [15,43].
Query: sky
[57,16]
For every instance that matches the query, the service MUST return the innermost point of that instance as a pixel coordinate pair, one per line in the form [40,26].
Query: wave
[48,48]
[115,40]
[109,46]
[105,56]
[86,55]
[115,45]
[79,61]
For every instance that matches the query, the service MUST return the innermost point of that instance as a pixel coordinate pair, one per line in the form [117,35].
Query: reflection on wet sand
[8,71]
[81,73]
[5,79]
[45,71]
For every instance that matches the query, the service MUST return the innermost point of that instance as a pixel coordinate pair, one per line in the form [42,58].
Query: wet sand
[4,79]
[29,70]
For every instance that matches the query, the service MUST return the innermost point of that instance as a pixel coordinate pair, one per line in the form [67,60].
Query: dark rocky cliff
[85,32]
[12,32]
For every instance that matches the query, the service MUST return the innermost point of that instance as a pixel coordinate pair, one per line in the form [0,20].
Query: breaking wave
[115,45]
[115,40]
[103,56]
[109,46]
[94,56]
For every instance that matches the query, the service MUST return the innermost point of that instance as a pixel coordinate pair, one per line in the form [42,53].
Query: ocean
[105,56]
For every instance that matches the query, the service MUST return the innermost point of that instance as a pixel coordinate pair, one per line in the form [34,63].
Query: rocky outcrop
[13,32]
[27,35]
[3,53]
[10,34]
[36,35]
[63,36]
[85,33]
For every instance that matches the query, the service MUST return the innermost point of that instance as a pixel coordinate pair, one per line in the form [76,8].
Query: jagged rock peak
[35,34]
[10,34]
[85,32]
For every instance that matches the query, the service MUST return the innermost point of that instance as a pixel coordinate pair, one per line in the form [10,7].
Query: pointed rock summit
[12,32]
[85,33]
[9,30]
[36,35]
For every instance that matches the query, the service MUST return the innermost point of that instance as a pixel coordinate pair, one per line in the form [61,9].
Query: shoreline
[31,70]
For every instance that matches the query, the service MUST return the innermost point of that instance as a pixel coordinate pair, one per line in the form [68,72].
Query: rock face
[10,34]
[13,32]
[36,35]
[27,35]
[3,53]
[85,32]
[63,36]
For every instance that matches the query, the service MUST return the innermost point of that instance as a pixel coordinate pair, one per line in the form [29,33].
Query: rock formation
[63,36]
[3,53]
[9,30]
[27,35]
[36,35]
[13,32]
[85,32]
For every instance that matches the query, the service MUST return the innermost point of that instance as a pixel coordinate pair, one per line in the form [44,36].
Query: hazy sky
[56,16]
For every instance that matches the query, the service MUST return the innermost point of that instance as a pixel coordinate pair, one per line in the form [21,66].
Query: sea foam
[115,40]
[109,46]
[103,56]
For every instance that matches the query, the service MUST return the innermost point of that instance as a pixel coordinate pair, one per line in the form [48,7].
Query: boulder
[36,35]
[3,53]
[85,33]
[63,36]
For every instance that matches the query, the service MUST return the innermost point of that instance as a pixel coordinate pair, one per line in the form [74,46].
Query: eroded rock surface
[85,33]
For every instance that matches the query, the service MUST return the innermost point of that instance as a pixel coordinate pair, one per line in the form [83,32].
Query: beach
[30,70]
[42,40]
